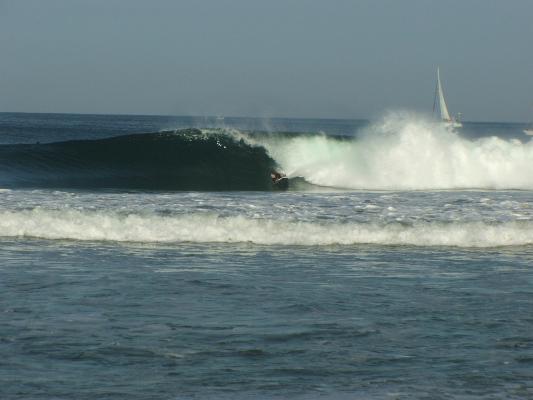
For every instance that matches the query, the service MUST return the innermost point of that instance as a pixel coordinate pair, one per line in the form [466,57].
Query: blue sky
[287,58]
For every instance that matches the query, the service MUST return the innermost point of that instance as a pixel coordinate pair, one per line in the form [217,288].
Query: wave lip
[212,228]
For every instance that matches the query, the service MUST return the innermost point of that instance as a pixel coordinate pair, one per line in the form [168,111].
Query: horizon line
[234,117]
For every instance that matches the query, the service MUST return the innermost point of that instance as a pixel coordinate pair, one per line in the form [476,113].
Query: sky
[275,58]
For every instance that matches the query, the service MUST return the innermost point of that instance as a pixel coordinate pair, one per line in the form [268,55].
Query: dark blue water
[422,292]
[29,128]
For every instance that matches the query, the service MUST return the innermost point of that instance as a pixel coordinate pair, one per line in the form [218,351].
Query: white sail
[444,113]
[441,104]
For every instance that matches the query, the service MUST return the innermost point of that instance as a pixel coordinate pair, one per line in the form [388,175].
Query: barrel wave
[401,152]
[187,159]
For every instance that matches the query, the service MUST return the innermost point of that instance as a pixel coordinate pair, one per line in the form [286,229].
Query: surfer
[279,180]
[276,176]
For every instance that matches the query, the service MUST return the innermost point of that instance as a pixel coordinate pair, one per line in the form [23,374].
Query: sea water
[151,258]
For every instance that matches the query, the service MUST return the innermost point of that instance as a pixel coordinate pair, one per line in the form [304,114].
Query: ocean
[151,257]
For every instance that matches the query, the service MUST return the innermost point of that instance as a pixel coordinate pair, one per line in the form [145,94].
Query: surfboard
[281,184]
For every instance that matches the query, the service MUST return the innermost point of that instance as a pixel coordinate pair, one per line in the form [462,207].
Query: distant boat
[440,104]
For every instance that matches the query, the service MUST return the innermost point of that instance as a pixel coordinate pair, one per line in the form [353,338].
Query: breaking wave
[153,228]
[403,152]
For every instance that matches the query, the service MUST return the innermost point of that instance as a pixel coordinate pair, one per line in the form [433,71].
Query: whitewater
[406,152]
[475,221]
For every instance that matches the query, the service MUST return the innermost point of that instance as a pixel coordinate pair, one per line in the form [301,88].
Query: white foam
[406,152]
[201,227]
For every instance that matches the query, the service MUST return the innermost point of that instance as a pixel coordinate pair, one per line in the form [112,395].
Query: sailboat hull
[452,124]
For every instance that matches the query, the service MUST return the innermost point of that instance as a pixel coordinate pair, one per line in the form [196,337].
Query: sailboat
[440,103]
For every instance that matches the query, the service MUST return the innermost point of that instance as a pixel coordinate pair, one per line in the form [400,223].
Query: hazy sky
[327,59]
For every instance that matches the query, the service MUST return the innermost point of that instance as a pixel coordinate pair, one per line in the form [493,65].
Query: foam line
[205,228]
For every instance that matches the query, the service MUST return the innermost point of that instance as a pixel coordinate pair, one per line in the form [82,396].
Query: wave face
[152,228]
[183,160]
[406,152]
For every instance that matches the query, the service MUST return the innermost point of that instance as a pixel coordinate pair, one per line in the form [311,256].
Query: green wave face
[187,159]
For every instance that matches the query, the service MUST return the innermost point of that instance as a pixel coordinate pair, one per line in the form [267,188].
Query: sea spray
[405,152]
